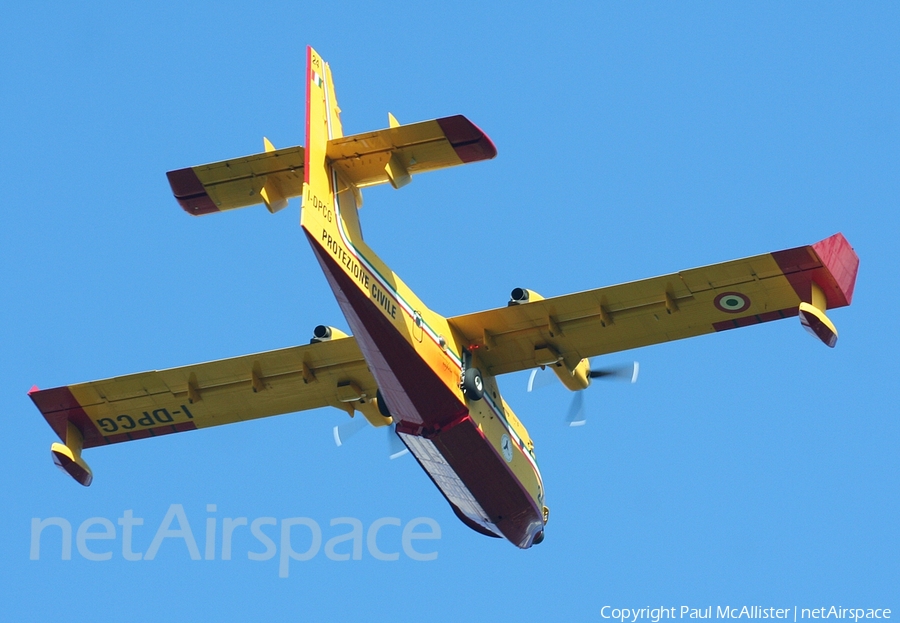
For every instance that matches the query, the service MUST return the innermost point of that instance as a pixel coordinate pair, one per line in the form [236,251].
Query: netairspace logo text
[384,538]
[656,615]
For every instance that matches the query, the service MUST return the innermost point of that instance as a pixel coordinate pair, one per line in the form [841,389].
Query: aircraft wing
[671,307]
[270,177]
[150,404]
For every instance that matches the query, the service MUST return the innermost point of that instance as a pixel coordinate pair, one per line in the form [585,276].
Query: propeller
[343,432]
[575,416]
[541,377]
[625,372]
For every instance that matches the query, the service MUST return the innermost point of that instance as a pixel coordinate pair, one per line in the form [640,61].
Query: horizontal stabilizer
[271,177]
[374,157]
[392,155]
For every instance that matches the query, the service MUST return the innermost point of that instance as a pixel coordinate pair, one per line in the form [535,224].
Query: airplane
[431,378]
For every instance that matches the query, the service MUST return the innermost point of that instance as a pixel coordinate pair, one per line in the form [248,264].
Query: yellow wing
[150,404]
[692,302]
[270,177]
[396,153]
[390,155]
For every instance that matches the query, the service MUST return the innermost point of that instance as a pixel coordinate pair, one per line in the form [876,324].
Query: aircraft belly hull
[434,423]
[477,481]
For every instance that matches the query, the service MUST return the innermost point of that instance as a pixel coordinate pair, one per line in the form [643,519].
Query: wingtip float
[67,455]
[431,377]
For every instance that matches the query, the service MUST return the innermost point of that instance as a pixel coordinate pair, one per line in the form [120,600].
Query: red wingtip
[468,140]
[831,264]
[34,388]
[842,262]
[190,193]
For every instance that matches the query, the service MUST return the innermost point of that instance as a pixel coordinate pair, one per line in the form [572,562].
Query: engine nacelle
[324,333]
[520,296]
[576,380]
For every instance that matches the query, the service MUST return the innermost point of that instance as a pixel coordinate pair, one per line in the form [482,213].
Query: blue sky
[755,467]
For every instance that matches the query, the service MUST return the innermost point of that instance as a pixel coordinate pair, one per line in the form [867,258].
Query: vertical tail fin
[320,125]
[326,197]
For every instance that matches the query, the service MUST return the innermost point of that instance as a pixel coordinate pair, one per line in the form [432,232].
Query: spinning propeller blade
[575,416]
[541,377]
[343,432]
[396,449]
[628,371]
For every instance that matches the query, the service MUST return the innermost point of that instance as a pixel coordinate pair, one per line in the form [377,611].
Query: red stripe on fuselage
[412,391]
[425,406]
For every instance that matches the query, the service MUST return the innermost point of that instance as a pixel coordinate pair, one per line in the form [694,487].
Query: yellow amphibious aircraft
[432,377]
